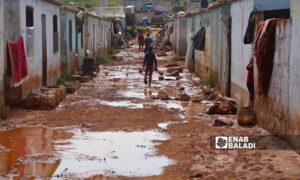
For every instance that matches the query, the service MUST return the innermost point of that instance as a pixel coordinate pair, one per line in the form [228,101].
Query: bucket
[245,116]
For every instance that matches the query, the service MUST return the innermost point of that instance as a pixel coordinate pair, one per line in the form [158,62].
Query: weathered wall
[272,111]
[15,23]
[202,58]
[180,37]
[67,41]
[93,36]
[220,60]
[13,31]
[241,53]
[294,80]
[2,43]
[53,58]
[105,34]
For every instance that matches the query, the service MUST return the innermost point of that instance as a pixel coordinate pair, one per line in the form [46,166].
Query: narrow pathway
[115,127]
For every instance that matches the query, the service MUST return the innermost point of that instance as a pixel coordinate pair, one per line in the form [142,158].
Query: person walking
[250,82]
[148,43]
[141,41]
[149,65]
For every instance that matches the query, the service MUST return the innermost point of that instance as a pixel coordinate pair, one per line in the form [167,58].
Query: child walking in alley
[141,41]
[149,65]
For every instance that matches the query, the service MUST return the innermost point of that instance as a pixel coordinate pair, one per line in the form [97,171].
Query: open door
[44,50]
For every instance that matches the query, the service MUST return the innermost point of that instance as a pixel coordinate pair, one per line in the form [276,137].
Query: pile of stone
[46,99]
[221,105]
[162,95]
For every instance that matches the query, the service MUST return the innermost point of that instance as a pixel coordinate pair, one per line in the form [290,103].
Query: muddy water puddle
[41,152]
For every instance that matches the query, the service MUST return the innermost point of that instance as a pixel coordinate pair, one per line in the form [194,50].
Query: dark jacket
[148,41]
[150,59]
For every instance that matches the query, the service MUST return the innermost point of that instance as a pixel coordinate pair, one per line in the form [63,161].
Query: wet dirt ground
[112,128]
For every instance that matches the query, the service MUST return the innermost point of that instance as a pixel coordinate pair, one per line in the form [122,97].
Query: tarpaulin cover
[80,17]
[248,38]
[199,39]
[17,61]
[264,53]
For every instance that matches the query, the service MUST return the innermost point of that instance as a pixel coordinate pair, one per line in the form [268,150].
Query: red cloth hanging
[264,50]
[18,61]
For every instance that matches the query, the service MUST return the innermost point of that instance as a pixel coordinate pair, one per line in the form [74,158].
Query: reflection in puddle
[133,94]
[138,94]
[127,104]
[120,153]
[176,105]
[41,152]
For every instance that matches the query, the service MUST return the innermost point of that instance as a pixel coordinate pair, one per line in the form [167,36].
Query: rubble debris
[160,73]
[222,108]
[172,65]
[207,91]
[180,88]
[218,122]
[220,98]
[184,97]
[173,69]
[116,79]
[162,95]
[153,97]
[198,98]
[46,100]
[178,77]
[85,125]
[212,96]
[161,78]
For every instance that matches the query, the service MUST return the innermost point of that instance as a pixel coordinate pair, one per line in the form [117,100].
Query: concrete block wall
[203,58]
[67,49]
[272,111]
[241,53]
[294,80]
[2,44]
[220,62]
[181,44]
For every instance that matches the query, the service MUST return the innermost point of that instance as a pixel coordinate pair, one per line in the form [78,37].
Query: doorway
[44,49]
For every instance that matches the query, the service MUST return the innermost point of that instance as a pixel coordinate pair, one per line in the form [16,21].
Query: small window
[70,35]
[29,16]
[55,28]
[281,13]
[55,34]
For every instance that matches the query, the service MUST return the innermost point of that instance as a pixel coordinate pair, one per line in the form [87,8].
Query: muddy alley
[115,127]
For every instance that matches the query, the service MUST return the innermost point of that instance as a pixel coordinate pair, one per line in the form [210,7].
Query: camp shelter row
[223,58]
[55,39]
